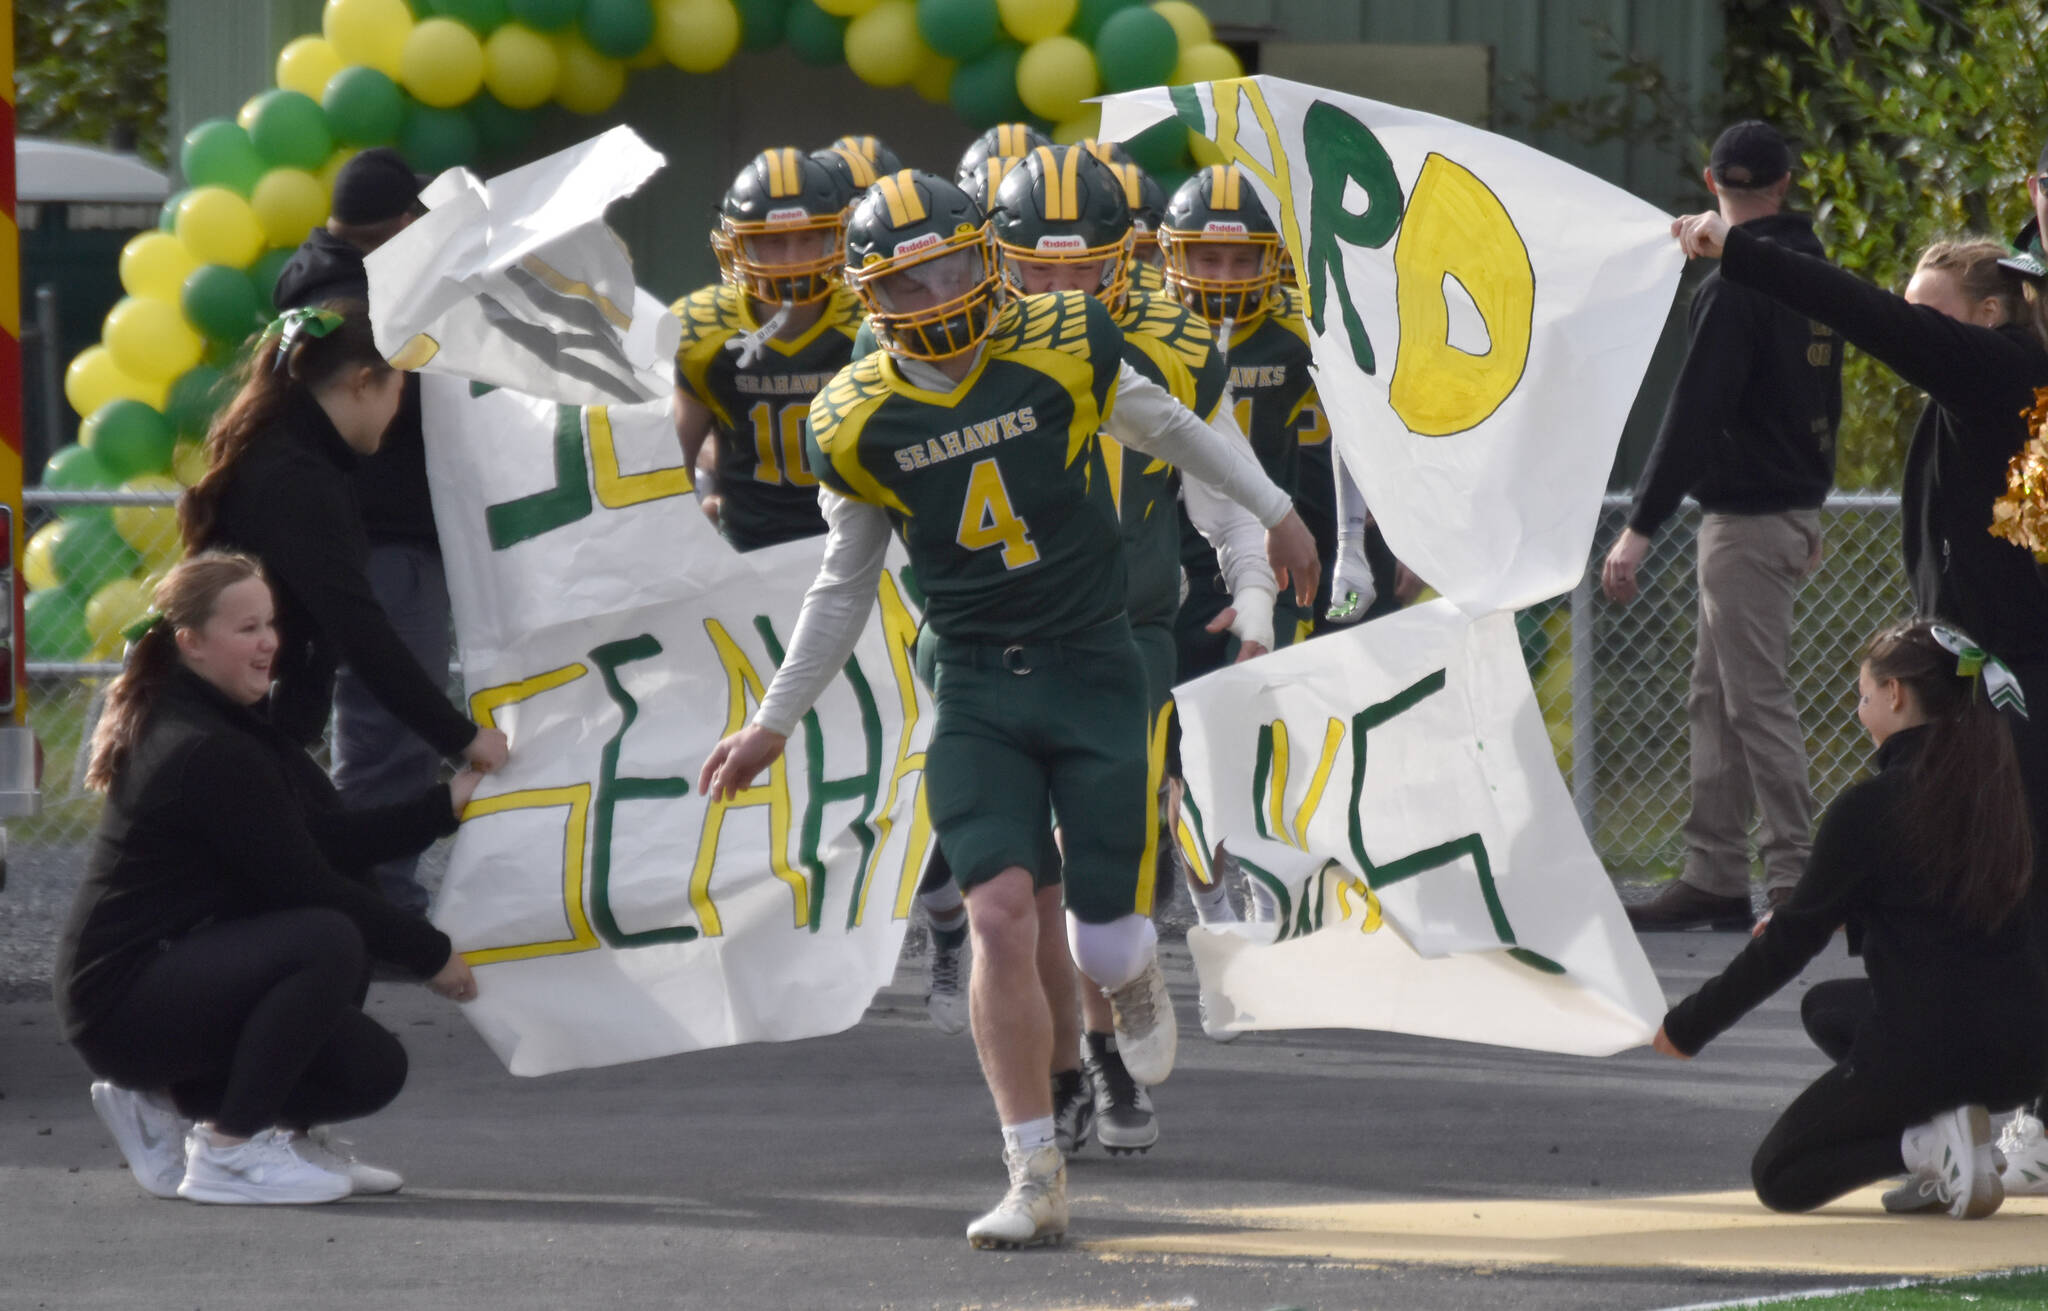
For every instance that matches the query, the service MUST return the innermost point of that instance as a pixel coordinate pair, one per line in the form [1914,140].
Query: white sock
[1212,902]
[1112,954]
[1026,1138]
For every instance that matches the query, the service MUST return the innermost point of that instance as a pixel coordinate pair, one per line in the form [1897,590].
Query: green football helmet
[986,178]
[1062,205]
[852,172]
[1003,141]
[1217,207]
[919,258]
[874,150]
[779,235]
[1148,207]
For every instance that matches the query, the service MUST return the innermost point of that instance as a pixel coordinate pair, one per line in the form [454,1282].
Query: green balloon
[619,28]
[129,438]
[500,129]
[818,38]
[1092,14]
[1135,47]
[1160,149]
[959,29]
[263,276]
[55,618]
[167,217]
[363,107]
[435,139]
[221,302]
[218,153]
[75,469]
[290,130]
[91,554]
[481,16]
[195,397]
[544,15]
[761,23]
[984,90]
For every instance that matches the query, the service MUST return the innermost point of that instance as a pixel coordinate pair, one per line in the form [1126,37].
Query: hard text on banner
[613,913]
[1403,807]
[1481,316]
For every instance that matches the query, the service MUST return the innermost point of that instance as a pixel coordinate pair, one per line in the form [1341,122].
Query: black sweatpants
[254,1023]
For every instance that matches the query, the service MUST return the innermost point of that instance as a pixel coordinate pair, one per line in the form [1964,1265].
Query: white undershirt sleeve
[834,612]
[1149,419]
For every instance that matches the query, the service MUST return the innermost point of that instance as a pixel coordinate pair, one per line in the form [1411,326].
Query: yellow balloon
[246,115]
[155,264]
[590,83]
[368,32]
[111,609]
[37,568]
[1208,62]
[92,379]
[1080,127]
[882,45]
[699,36]
[218,227]
[1035,20]
[150,529]
[442,63]
[188,462]
[1204,151]
[305,65]
[934,81]
[521,67]
[1054,76]
[1190,24]
[845,8]
[333,166]
[149,338]
[288,203]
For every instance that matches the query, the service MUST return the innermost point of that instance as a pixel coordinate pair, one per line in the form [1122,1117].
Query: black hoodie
[1750,428]
[392,484]
[1978,383]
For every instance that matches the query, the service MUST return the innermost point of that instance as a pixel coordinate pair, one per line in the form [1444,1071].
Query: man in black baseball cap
[377,759]
[1749,157]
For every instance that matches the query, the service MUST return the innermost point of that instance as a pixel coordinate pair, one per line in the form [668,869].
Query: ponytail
[186,598]
[282,364]
[1964,823]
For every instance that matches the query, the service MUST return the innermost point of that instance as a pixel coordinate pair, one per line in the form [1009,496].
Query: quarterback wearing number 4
[973,434]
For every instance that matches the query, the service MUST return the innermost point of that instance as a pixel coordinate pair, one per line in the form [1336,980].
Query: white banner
[1404,808]
[1481,315]
[519,283]
[611,913]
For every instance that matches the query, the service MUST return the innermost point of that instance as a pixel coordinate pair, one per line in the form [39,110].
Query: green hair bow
[293,326]
[138,630]
[2000,686]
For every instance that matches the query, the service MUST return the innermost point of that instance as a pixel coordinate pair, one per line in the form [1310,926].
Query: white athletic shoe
[2025,1149]
[324,1148]
[1034,1211]
[1146,1031]
[1952,1166]
[149,1132]
[263,1170]
[946,997]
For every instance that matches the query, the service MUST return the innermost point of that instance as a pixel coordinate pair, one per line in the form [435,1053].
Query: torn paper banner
[518,282]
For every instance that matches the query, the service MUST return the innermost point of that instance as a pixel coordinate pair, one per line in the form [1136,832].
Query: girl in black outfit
[215,960]
[1927,865]
[317,397]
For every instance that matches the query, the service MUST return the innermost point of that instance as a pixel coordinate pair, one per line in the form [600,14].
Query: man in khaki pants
[1749,432]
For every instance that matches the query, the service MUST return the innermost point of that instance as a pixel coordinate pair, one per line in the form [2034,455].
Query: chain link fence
[1628,665]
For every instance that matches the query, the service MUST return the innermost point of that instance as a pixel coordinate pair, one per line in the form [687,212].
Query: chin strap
[752,345]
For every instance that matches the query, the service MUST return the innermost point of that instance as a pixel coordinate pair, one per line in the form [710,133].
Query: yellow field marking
[1703,1231]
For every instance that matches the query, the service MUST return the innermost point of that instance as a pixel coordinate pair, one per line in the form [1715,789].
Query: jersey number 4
[987,520]
[780,461]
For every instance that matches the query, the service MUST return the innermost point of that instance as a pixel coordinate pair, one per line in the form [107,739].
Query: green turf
[2026,1292]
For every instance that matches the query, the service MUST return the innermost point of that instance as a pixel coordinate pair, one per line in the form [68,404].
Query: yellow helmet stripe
[1012,138]
[1134,195]
[1223,186]
[1061,204]
[1070,184]
[899,193]
[785,177]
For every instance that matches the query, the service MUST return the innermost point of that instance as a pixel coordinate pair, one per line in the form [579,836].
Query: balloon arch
[454,82]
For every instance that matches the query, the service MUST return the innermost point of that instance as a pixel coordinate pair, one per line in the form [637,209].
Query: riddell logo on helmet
[1215,229]
[915,244]
[793,214]
[1068,242]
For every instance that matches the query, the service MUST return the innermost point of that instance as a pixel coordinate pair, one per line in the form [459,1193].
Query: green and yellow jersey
[764,477]
[1315,498]
[1148,278]
[997,487]
[1175,349]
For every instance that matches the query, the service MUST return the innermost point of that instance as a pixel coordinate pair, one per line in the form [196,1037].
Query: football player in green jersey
[1003,141]
[1061,223]
[852,172]
[972,434]
[1148,207]
[757,346]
